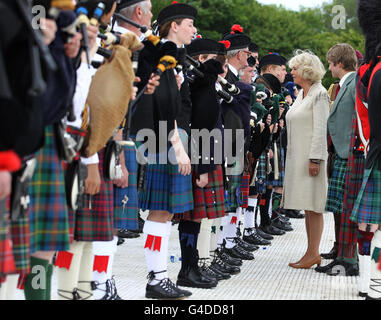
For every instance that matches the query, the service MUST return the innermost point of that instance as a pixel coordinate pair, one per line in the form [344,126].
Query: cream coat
[307,139]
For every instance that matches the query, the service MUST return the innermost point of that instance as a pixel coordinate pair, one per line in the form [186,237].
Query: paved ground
[267,277]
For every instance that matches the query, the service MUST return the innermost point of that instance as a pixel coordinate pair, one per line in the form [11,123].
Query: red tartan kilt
[245,190]
[208,201]
[95,224]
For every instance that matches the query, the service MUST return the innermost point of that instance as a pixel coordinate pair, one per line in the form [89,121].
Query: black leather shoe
[163,290]
[219,265]
[344,268]
[330,255]
[277,213]
[140,225]
[212,273]
[370,298]
[186,293]
[228,259]
[254,238]
[120,241]
[295,214]
[270,229]
[238,252]
[124,233]
[281,225]
[324,269]
[263,234]
[245,245]
[192,277]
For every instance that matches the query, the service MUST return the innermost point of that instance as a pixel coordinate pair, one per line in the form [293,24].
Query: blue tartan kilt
[335,197]
[126,215]
[367,208]
[166,189]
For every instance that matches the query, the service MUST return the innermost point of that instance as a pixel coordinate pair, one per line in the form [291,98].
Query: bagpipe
[193,66]
[110,91]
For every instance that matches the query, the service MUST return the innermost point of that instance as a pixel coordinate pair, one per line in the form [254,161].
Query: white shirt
[342,80]
[84,76]
[233,69]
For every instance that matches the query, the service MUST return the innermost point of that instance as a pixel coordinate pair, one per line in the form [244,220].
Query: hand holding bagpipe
[194,66]
[166,62]
[83,22]
[147,33]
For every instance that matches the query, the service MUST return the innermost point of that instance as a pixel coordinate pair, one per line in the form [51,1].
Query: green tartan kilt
[367,208]
[261,182]
[48,212]
[166,189]
[335,196]
[233,198]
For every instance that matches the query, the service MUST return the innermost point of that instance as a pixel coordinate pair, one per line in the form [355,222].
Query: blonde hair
[309,66]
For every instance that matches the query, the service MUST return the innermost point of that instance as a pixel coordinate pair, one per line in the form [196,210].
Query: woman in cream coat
[305,185]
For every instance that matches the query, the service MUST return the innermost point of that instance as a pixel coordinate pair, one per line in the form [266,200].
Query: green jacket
[340,117]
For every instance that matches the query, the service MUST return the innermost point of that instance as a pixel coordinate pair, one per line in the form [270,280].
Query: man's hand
[48,28]
[153,82]
[179,80]
[123,181]
[72,48]
[5,184]
[93,181]
[202,181]
[262,126]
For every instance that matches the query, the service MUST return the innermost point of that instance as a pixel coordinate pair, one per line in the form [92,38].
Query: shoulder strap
[375,69]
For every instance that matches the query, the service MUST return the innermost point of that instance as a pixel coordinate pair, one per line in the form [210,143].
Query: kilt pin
[126,199]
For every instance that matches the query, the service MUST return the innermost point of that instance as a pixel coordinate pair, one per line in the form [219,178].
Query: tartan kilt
[7,263]
[166,189]
[233,195]
[367,207]
[245,190]
[261,174]
[348,228]
[279,182]
[209,202]
[127,217]
[96,224]
[48,213]
[336,186]
[19,232]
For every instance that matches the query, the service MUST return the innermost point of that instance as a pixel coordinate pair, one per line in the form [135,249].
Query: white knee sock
[215,231]
[104,252]
[364,276]
[203,243]
[249,216]
[8,287]
[67,270]
[375,272]
[224,222]
[156,238]
[231,228]
[85,276]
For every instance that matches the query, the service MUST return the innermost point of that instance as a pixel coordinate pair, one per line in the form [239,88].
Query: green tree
[274,28]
